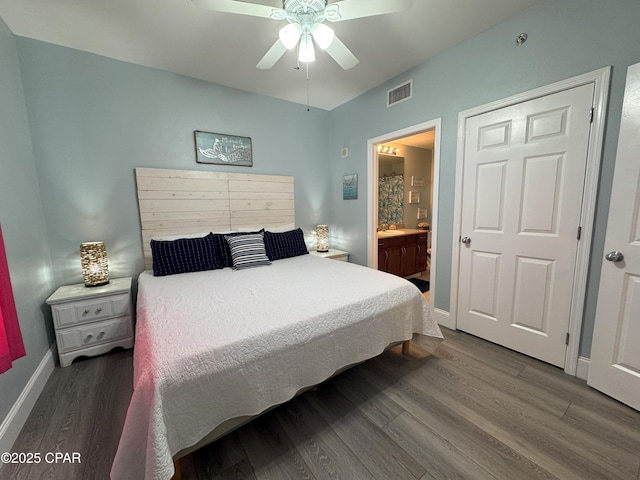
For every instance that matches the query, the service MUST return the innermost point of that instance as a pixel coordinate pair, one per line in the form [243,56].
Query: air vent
[400,93]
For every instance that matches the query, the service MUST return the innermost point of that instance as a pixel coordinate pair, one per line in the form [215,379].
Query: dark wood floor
[472,410]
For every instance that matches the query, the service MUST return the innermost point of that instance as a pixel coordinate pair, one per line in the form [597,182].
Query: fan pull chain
[308,110]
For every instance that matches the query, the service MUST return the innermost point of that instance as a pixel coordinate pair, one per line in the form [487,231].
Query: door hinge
[579,232]
[591,114]
[566,340]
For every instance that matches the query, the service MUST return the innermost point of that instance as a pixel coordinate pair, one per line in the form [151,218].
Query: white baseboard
[12,425]
[444,319]
[582,371]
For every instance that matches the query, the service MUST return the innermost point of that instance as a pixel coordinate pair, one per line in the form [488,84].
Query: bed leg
[176,469]
[405,347]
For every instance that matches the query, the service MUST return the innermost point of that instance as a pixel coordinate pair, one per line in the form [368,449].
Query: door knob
[466,240]
[614,256]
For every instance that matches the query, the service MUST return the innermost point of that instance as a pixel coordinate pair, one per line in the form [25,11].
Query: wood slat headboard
[183,202]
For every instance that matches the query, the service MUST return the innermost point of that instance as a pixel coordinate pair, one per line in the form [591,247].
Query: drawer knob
[89,337]
[98,310]
[101,334]
[86,312]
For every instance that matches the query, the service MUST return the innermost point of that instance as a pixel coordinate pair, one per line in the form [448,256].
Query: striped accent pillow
[247,250]
[222,247]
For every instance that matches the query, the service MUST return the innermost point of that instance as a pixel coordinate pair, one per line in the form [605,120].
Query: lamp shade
[322,238]
[323,35]
[95,264]
[290,35]
[307,53]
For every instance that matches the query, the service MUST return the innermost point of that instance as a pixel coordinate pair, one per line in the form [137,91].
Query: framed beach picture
[223,149]
[350,187]
[417,181]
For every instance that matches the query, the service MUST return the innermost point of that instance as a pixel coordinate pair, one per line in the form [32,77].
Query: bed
[216,347]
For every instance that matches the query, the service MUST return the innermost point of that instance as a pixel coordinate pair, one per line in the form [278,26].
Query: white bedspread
[211,346]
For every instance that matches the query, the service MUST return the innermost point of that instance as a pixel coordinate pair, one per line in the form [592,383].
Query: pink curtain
[11,345]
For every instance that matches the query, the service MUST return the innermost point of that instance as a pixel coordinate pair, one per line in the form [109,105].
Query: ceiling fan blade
[242,8]
[272,56]
[341,54]
[350,9]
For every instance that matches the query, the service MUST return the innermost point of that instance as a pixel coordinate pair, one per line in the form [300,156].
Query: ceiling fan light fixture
[323,35]
[290,35]
[307,53]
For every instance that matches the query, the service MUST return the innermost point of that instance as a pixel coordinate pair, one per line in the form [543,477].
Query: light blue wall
[566,38]
[94,120]
[23,226]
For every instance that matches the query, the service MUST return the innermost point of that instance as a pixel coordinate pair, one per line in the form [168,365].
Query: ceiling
[420,140]
[177,36]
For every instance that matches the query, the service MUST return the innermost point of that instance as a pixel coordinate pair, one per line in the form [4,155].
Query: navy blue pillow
[223,252]
[185,255]
[285,244]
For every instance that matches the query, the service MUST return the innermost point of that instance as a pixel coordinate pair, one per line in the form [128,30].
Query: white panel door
[615,353]
[524,170]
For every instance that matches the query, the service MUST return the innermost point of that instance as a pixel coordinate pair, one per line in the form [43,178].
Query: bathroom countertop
[400,232]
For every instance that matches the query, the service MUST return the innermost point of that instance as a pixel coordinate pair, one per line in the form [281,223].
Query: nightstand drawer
[93,334]
[89,311]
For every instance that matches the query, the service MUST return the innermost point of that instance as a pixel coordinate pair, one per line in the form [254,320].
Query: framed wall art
[414,197]
[223,149]
[417,181]
[350,187]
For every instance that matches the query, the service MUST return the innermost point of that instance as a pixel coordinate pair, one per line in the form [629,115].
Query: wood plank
[489,452]
[497,358]
[178,195]
[532,432]
[374,448]
[271,452]
[114,396]
[261,195]
[180,184]
[172,173]
[155,216]
[179,225]
[435,453]
[251,177]
[182,205]
[267,214]
[327,456]
[74,417]
[261,205]
[504,382]
[259,186]
[239,471]
[378,408]
[219,456]
[590,408]
[612,430]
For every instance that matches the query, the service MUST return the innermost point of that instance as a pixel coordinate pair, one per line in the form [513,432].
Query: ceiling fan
[306,24]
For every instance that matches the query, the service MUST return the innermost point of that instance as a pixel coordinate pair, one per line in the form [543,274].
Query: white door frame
[372,194]
[601,80]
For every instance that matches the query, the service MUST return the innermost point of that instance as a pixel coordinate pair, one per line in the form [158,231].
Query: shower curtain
[391,199]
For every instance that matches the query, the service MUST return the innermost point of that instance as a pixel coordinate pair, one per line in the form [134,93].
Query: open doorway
[403,192]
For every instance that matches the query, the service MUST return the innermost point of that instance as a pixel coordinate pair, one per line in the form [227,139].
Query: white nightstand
[92,320]
[332,253]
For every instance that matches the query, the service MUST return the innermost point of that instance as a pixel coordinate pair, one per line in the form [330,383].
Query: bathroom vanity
[402,252]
